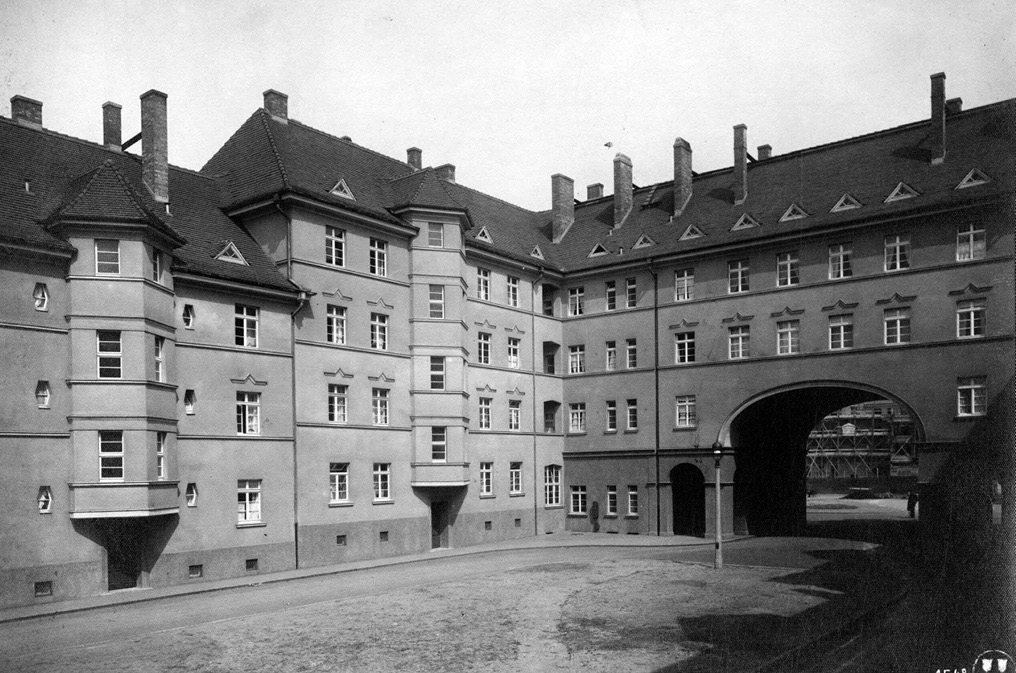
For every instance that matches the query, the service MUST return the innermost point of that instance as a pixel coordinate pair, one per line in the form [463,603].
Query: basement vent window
[340,540]
[691,232]
[342,189]
[974,178]
[384,536]
[488,525]
[902,191]
[536,252]
[43,589]
[746,221]
[598,251]
[794,212]
[229,253]
[846,202]
[195,571]
[484,235]
[644,242]
[518,523]
[251,564]
[41,296]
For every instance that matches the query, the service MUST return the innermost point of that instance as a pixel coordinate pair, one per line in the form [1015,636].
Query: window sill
[383,502]
[610,432]
[610,516]
[341,503]
[517,495]
[631,432]
[578,515]
[487,496]
[968,418]
[685,428]
[577,434]
[553,507]
[631,516]
[251,524]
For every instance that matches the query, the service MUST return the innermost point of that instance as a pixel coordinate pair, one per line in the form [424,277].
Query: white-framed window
[611,350]
[684,412]
[788,337]
[248,501]
[337,403]
[335,324]
[189,399]
[437,372]
[737,276]
[788,269]
[486,478]
[550,409]
[739,339]
[246,326]
[578,500]
[633,500]
[482,283]
[576,359]
[610,291]
[156,265]
[631,287]
[45,500]
[338,482]
[378,257]
[971,395]
[110,455]
[611,416]
[379,331]
[109,358]
[840,265]
[970,319]
[248,413]
[631,353]
[576,300]
[684,348]
[160,455]
[684,284]
[897,252]
[382,481]
[379,406]
[484,416]
[483,348]
[107,257]
[611,500]
[513,291]
[191,494]
[552,486]
[188,316]
[897,326]
[159,355]
[515,478]
[42,394]
[970,243]
[335,246]
[514,414]
[436,304]
[841,332]
[633,414]
[577,417]
[439,444]
[41,296]
[435,235]
[514,360]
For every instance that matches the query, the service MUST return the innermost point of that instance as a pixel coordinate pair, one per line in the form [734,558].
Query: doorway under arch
[689,488]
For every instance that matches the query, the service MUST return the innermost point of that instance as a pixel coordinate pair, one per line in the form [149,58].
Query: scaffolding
[873,439]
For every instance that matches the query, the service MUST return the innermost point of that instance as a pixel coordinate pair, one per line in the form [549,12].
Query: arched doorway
[689,488]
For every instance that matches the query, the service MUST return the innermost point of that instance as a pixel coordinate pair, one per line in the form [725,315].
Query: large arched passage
[768,434]
[689,487]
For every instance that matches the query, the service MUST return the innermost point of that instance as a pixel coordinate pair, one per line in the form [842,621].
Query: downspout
[656,386]
[532,363]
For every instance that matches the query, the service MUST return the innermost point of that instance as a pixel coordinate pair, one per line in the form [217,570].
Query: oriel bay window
[437,372]
[107,257]
[110,455]
[439,444]
[436,301]
[110,354]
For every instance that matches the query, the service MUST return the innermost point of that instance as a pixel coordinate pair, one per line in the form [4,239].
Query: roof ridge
[275,149]
[500,200]
[350,142]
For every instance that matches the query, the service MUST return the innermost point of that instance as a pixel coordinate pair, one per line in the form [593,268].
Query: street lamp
[717,457]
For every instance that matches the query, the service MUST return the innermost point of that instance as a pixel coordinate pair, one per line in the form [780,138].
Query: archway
[689,488]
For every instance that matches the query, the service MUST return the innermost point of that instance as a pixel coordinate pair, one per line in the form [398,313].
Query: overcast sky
[512,92]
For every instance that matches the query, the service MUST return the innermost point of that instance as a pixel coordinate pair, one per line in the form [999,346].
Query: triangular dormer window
[229,253]
[846,202]
[643,242]
[746,221]
[691,232]
[902,191]
[342,189]
[597,251]
[484,235]
[537,253]
[974,178]
[794,212]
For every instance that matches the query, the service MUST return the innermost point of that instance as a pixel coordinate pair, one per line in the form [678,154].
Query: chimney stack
[953,106]
[740,163]
[938,118]
[682,175]
[562,199]
[765,152]
[277,104]
[414,157]
[594,191]
[154,145]
[26,111]
[622,188]
[112,136]
[446,172]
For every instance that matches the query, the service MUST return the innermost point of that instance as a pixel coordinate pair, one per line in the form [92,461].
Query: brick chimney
[954,106]
[765,152]
[112,136]
[26,111]
[414,157]
[740,163]
[154,145]
[594,191]
[622,188]
[938,118]
[562,199]
[446,172]
[277,104]
[682,175]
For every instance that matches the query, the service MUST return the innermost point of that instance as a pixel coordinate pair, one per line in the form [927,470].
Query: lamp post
[717,457]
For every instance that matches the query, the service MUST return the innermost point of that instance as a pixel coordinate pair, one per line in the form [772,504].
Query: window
[195,571]
[548,294]
[577,417]
[970,243]
[970,319]
[514,414]
[484,418]
[379,406]
[550,409]
[515,478]
[435,235]
[156,265]
[379,331]
[483,284]
[437,372]
[632,354]
[684,285]
[338,482]
[160,359]
[41,296]
[436,304]
[110,455]
[248,413]
[382,481]
[970,394]
[160,455]
[439,444]
[514,361]
[107,257]
[42,394]
[611,417]
[552,486]
[897,326]
[611,500]
[248,501]
[788,337]
[378,257]
[513,291]
[684,347]
[897,252]
[788,269]
[188,316]
[336,403]
[841,332]
[42,589]
[576,359]
[45,500]
[335,246]
[633,501]
[739,342]
[631,292]
[737,276]
[483,348]
[191,494]
[109,354]
[839,261]
[335,324]
[578,500]
[633,414]
[610,291]
[576,301]
[684,412]
[486,479]
[611,356]
[188,402]
[246,326]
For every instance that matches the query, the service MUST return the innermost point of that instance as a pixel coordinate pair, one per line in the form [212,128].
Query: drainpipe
[656,385]
[292,377]
[532,362]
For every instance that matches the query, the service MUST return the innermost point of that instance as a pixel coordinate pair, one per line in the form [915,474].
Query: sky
[511,92]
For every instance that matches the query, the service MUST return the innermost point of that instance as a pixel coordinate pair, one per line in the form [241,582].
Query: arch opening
[689,500]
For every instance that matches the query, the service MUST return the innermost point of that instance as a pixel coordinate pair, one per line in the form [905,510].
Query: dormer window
[902,191]
[691,232]
[536,252]
[746,221]
[597,251]
[41,296]
[230,253]
[973,178]
[644,242]
[484,236]
[342,189]
[794,212]
[846,202]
